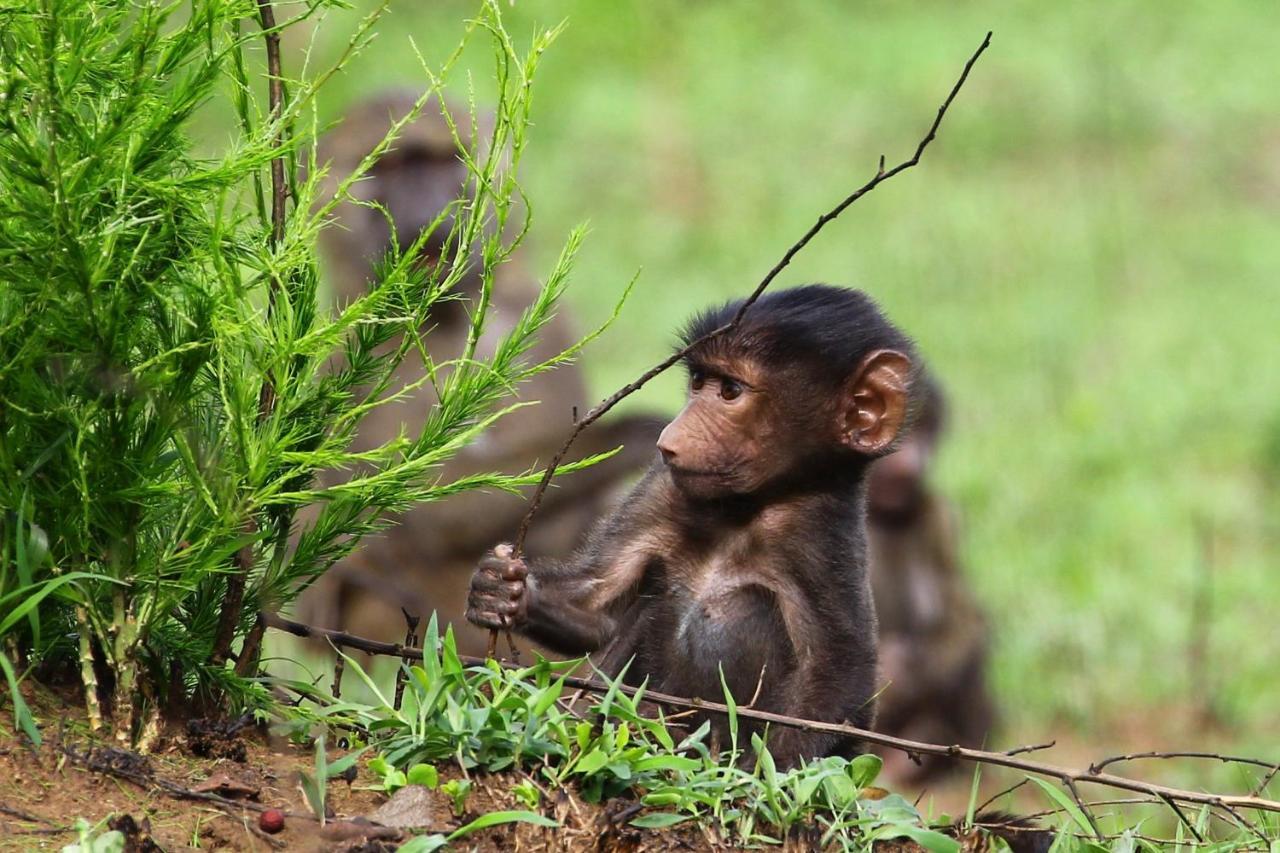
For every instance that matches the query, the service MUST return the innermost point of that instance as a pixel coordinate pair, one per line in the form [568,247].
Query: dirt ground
[207,790]
[204,788]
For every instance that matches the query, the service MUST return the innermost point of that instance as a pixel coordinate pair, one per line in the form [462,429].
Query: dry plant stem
[233,602]
[247,664]
[1239,820]
[1009,790]
[1066,776]
[1034,747]
[339,666]
[410,640]
[88,676]
[1098,766]
[1266,780]
[1191,827]
[535,500]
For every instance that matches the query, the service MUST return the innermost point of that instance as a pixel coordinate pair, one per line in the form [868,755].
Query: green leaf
[934,842]
[31,599]
[973,796]
[864,769]
[733,709]
[592,761]
[547,697]
[337,768]
[21,712]
[676,763]
[659,820]
[423,844]
[423,774]
[1068,804]
[496,818]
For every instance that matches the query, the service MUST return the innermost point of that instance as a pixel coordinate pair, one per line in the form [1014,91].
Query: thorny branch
[627,390]
[1067,777]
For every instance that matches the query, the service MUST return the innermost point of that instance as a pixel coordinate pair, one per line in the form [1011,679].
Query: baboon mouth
[690,473]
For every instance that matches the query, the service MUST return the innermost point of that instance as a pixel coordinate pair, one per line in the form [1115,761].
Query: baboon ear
[875,403]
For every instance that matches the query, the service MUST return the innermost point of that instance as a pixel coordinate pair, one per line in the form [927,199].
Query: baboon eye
[697,379]
[730,389]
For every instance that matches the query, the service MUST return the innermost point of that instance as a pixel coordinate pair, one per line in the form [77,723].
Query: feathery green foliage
[168,394]
[522,724]
[491,719]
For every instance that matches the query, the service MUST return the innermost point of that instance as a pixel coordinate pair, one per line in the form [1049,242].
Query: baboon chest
[720,617]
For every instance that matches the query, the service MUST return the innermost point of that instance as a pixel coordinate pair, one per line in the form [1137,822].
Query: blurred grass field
[1088,256]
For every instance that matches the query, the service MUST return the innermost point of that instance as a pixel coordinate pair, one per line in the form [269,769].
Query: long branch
[1066,776]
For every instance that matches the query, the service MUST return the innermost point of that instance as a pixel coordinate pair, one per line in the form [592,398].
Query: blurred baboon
[933,635]
[424,562]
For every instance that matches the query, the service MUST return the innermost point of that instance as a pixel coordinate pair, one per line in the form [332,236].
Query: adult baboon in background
[424,562]
[933,635]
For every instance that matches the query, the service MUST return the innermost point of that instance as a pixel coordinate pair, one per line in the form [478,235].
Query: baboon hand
[499,594]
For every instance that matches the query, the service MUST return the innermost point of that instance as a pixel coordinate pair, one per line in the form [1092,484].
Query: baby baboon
[739,561]
[424,562]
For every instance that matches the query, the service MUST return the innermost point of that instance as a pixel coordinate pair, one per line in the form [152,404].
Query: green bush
[168,392]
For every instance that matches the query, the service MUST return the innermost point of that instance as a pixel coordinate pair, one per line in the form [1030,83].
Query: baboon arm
[575,605]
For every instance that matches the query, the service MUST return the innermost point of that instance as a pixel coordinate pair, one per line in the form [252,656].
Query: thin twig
[339,667]
[759,685]
[1213,756]
[410,639]
[1247,824]
[1009,790]
[1066,776]
[1266,780]
[1191,827]
[1070,782]
[1033,747]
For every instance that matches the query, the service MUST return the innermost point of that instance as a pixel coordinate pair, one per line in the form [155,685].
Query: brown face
[718,443]
[896,485]
[415,184]
[745,426]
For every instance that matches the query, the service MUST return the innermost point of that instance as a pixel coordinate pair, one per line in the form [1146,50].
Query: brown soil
[43,792]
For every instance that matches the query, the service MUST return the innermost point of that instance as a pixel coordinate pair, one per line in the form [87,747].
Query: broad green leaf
[337,768]
[21,712]
[423,844]
[591,762]
[668,762]
[423,774]
[864,769]
[496,818]
[934,842]
[659,820]
[1067,803]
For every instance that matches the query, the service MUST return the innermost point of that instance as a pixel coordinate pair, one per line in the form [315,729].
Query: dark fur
[826,330]
[674,588]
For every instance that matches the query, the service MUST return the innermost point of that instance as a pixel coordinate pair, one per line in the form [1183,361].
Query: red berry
[271,821]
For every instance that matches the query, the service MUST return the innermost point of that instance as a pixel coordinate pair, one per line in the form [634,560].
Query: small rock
[411,806]
[224,786]
[356,830]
